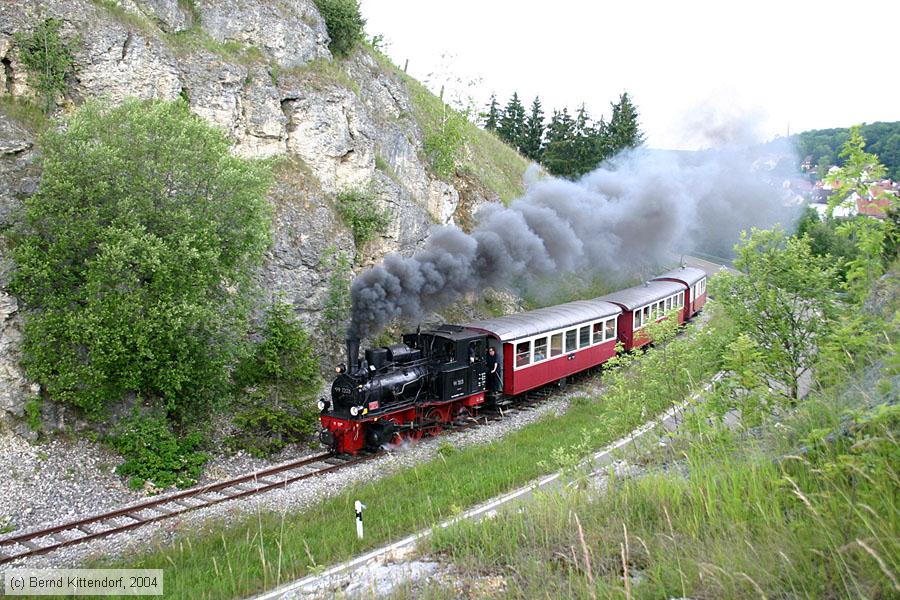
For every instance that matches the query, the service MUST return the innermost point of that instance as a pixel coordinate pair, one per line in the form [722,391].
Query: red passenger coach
[695,280]
[644,304]
[546,345]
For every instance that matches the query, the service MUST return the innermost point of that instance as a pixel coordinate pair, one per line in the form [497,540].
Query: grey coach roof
[689,275]
[533,322]
[640,295]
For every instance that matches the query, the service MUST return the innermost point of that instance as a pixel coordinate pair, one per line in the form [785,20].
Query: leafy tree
[134,258]
[279,378]
[783,301]
[624,130]
[533,133]
[512,122]
[47,58]
[868,234]
[824,145]
[492,117]
[344,23]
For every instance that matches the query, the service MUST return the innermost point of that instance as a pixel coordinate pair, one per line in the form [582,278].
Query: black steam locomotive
[404,391]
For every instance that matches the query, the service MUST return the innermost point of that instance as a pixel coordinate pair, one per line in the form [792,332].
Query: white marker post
[359,528]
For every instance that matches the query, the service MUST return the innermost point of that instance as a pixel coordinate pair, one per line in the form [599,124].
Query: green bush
[33,413]
[47,58]
[444,145]
[154,453]
[279,379]
[344,22]
[359,211]
[135,258]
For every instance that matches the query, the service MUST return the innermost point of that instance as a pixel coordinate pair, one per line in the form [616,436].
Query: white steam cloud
[631,214]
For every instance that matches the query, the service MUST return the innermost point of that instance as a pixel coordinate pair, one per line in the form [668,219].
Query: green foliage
[824,239]
[336,310]
[135,257]
[279,379]
[153,452]
[511,128]
[344,23]
[868,235]
[33,413]
[47,58]
[359,211]
[532,144]
[784,301]
[25,112]
[492,116]
[444,145]
[824,146]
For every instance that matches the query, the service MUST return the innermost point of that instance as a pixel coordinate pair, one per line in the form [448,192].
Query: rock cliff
[261,71]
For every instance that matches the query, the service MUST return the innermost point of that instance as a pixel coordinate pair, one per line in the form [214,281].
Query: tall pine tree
[624,131]
[492,118]
[512,123]
[558,149]
[533,139]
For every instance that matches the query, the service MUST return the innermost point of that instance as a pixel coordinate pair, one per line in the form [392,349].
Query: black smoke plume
[633,213]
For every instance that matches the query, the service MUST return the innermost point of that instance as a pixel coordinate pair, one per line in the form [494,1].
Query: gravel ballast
[56,493]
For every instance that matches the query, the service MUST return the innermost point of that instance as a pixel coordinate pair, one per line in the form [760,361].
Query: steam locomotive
[438,377]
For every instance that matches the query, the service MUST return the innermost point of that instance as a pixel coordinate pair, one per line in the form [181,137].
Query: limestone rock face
[259,70]
[290,32]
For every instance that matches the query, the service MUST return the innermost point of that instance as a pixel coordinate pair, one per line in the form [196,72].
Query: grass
[319,73]
[494,164]
[25,112]
[805,505]
[747,522]
[269,548]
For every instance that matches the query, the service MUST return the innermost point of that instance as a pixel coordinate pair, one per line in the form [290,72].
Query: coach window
[556,344]
[523,354]
[572,340]
[646,318]
[598,332]
[610,329]
[637,318]
[668,304]
[540,349]
[584,336]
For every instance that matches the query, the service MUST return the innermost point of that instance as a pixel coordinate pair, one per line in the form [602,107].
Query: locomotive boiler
[405,390]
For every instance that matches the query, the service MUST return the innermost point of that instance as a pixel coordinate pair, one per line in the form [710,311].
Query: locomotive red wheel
[433,423]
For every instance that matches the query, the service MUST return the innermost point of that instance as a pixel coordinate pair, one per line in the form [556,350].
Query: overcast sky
[698,71]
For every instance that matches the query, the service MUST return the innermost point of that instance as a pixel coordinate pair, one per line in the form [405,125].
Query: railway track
[47,539]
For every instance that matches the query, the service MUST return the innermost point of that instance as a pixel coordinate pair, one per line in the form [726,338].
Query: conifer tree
[557,155]
[492,118]
[512,122]
[624,131]
[532,146]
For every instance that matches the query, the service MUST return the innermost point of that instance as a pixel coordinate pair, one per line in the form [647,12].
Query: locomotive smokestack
[352,354]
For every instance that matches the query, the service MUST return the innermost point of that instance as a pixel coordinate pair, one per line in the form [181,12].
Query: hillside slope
[262,72]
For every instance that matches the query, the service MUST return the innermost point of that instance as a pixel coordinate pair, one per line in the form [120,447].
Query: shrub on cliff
[134,257]
[344,22]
